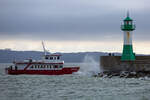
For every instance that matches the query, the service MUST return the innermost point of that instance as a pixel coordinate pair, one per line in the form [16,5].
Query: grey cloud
[67,19]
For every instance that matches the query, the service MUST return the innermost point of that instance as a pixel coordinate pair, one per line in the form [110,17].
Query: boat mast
[44,48]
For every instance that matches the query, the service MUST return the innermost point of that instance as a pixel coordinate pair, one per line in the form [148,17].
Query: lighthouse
[127,28]
[127,62]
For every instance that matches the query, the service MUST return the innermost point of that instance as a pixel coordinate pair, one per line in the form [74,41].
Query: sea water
[78,86]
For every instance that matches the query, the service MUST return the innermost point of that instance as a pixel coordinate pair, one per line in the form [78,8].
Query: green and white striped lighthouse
[128,27]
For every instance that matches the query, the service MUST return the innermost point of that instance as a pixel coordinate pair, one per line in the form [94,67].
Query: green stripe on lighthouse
[127,53]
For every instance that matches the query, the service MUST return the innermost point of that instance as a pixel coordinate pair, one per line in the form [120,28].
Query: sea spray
[89,66]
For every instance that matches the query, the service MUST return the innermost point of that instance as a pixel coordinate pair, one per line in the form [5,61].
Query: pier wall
[114,64]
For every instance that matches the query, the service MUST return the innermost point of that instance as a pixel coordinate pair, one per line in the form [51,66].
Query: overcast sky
[72,25]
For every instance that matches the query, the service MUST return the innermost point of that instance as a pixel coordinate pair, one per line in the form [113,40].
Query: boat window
[41,66]
[51,66]
[31,66]
[60,66]
[58,57]
[56,66]
[30,60]
[51,58]
[16,67]
[46,57]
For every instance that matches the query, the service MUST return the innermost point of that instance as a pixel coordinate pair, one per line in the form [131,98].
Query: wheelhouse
[52,57]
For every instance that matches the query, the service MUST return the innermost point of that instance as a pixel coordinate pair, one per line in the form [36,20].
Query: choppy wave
[71,87]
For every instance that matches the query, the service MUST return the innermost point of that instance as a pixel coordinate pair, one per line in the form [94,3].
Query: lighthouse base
[128,54]
[114,64]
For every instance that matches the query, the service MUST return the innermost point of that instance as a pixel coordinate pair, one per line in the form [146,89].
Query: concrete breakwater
[112,65]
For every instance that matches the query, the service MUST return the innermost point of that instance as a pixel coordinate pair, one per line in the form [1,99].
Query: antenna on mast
[128,13]
[44,48]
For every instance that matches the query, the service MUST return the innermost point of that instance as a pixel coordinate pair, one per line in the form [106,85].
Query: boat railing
[71,64]
[54,61]
[11,67]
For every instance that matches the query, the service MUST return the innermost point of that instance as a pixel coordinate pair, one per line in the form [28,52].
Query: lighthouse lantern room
[128,27]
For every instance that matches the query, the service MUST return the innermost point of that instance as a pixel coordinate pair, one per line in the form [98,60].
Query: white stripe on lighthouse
[127,38]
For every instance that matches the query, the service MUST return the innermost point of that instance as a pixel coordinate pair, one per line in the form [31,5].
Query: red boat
[49,65]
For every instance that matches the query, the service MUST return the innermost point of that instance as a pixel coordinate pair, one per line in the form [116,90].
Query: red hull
[63,71]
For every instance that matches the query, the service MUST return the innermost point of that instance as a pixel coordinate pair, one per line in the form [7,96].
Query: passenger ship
[49,65]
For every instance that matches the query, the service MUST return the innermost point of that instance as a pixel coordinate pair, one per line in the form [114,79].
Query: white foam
[89,66]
